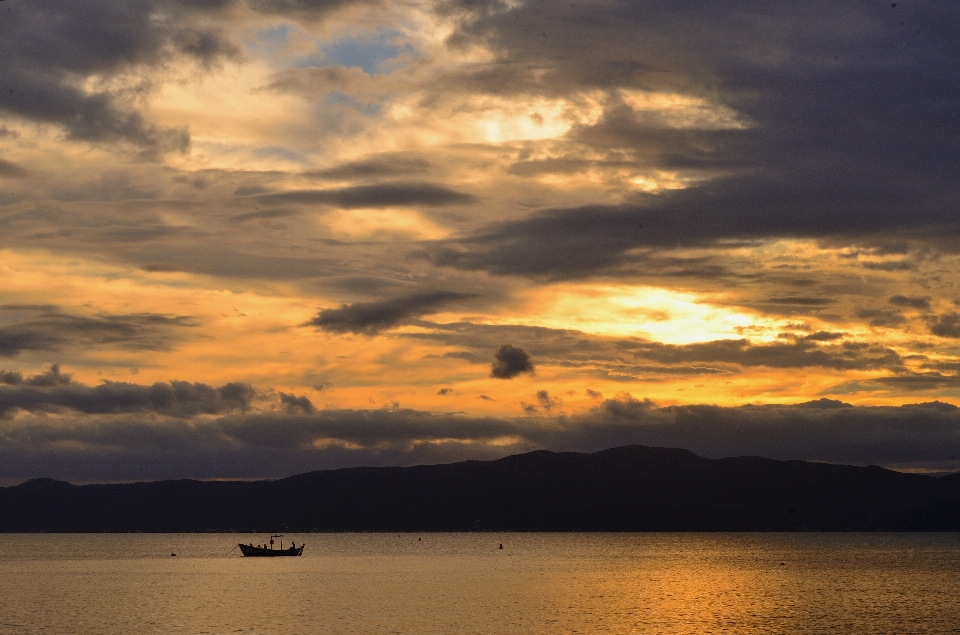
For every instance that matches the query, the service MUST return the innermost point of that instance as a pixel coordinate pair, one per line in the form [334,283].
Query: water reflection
[462,583]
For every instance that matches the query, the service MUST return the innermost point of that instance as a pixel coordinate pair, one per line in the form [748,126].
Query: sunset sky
[252,238]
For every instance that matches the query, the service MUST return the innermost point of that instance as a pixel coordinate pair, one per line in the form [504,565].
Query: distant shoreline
[628,489]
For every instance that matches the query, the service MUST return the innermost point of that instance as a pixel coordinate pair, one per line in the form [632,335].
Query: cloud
[378,166]
[510,361]
[946,325]
[913,303]
[299,8]
[265,214]
[12,170]
[631,357]
[381,195]
[294,404]
[801,155]
[47,378]
[890,265]
[60,59]
[175,398]
[50,48]
[783,160]
[50,329]
[801,353]
[372,317]
[825,430]
[547,402]
[273,444]
[881,317]
[911,381]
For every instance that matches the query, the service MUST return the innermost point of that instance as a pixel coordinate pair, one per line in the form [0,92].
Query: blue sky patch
[373,52]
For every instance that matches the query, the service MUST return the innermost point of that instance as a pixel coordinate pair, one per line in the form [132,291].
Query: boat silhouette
[267,551]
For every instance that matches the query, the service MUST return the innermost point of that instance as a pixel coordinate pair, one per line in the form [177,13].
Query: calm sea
[463,583]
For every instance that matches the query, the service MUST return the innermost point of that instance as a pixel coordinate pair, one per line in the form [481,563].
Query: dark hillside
[624,489]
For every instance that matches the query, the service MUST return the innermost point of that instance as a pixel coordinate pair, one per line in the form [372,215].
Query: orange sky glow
[351,208]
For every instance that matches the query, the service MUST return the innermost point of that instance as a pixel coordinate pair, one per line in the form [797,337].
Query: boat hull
[260,552]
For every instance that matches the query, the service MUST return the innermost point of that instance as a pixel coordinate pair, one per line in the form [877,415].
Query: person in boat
[293,546]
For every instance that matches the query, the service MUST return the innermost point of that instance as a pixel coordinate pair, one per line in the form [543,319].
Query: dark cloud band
[50,329]
[373,317]
[919,436]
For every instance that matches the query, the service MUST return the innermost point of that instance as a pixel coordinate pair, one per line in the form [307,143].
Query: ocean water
[113,584]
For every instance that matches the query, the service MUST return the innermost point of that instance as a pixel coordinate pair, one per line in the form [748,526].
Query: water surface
[113,584]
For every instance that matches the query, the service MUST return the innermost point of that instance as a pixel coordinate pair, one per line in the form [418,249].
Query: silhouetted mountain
[631,488]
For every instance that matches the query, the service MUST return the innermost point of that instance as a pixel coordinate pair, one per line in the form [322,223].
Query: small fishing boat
[267,550]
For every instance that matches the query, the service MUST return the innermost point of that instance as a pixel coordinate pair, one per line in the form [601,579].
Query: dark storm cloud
[851,134]
[54,392]
[99,447]
[372,317]
[383,195]
[49,329]
[510,361]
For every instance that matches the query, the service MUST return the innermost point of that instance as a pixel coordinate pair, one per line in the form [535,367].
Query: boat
[267,551]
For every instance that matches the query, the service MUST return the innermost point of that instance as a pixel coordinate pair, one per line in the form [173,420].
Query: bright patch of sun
[487,119]
[660,181]
[663,315]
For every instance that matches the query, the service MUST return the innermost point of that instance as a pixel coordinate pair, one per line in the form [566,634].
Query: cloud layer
[265,233]
[298,438]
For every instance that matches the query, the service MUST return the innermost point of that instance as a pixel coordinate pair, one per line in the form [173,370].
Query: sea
[412,583]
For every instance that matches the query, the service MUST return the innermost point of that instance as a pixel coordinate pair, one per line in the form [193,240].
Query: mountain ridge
[629,488]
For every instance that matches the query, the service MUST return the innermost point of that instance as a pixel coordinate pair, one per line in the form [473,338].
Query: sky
[254,238]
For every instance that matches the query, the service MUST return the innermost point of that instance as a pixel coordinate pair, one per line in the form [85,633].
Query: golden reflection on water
[462,583]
